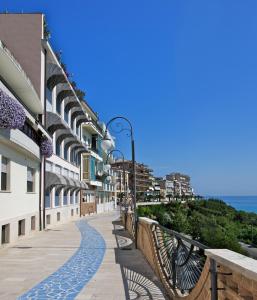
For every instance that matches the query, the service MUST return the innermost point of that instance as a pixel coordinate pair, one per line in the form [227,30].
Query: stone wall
[237,274]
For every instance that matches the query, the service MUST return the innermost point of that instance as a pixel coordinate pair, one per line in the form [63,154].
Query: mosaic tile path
[69,280]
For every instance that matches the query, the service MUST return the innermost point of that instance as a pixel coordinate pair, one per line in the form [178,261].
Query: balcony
[55,123]
[16,78]
[92,127]
[20,140]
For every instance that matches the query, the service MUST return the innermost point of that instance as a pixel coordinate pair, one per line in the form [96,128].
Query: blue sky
[184,73]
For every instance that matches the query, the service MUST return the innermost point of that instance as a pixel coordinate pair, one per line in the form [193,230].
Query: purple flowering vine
[12,115]
[46,147]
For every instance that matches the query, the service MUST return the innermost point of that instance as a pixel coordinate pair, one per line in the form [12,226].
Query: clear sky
[184,72]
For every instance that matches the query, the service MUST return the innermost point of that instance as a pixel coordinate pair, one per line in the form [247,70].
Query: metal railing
[181,259]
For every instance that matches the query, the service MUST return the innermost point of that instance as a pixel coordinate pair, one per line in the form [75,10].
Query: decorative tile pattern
[68,280]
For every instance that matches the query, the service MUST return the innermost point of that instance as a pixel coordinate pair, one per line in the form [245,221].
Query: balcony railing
[182,259]
[31,133]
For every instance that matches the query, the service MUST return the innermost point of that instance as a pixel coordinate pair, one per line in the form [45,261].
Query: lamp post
[130,129]
[123,171]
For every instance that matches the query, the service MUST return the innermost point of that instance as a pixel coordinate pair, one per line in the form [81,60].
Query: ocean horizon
[246,203]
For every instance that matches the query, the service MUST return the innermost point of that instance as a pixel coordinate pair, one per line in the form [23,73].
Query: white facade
[19,163]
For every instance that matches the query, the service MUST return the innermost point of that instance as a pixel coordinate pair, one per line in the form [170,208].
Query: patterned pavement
[67,282]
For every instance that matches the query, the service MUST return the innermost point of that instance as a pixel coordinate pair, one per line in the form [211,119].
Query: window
[5,174]
[65,197]
[77,130]
[21,227]
[94,143]
[57,198]
[65,152]
[72,197]
[66,114]
[77,197]
[58,216]
[72,212]
[78,160]
[33,223]
[5,234]
[48,219]
[49,95]
[48,100]
[92,168]
[30,180]
[59,106]
[47,199]
[58,148]
[72,156]
[85,167]
[31,132]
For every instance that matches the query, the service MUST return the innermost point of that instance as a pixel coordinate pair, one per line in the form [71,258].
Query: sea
[246,203]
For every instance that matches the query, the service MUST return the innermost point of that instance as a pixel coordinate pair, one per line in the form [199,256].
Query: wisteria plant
[46,147]
[12,115]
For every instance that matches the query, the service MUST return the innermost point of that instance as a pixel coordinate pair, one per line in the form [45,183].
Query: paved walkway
[92,258]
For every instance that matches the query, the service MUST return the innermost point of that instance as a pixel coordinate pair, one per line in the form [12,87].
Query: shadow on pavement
[139,280]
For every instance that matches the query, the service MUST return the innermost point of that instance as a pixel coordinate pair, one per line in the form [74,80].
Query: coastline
[244,203]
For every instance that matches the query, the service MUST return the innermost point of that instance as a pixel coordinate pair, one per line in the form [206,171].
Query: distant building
[166,188]
[181,184]
[120,188]
[143,176]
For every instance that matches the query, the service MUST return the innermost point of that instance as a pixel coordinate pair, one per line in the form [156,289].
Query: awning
[54,179]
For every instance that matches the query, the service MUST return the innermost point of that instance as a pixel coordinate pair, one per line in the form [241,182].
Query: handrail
[185,238]
[180,258]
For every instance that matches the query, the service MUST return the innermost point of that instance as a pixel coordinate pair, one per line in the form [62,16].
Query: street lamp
[130,129]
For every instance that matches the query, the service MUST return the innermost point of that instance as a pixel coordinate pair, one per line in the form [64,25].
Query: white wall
[16,204]
[65,214]
[17,201]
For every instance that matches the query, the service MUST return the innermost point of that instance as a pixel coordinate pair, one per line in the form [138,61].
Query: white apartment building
[41,174]
[20,157]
